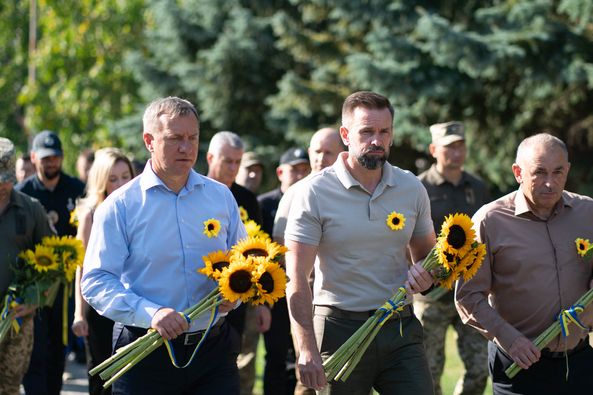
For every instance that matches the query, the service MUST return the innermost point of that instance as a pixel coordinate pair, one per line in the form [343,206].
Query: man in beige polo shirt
[338,224]
[531,273]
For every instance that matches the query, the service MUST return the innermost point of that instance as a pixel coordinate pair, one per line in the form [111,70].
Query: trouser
[436,316]
[15,353]
[393,364]
[546,377]
[98,347]
[247,356]
[213,371]
[278,342]
[44,376]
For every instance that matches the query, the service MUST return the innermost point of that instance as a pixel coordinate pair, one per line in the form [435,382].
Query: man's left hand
[23,310]
[419,279]
[263,318]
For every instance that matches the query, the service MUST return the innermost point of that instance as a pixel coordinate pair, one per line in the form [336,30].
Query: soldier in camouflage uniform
[451,190]
[23,223]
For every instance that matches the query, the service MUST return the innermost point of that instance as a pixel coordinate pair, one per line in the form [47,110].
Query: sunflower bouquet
[249,272]
[38,275]
[566,316]
[456,254]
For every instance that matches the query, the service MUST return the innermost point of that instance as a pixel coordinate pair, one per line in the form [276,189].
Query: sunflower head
[243,214]
[583,246]
[270,281]
[476,257]
[237,281]
[457,235]
[42,259]
[211,227]
[254,230]
[255,246]
[445,258]
[396,221]
[214,263]
[69,250]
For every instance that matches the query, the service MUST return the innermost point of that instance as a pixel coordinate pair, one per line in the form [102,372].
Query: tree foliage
[275,71]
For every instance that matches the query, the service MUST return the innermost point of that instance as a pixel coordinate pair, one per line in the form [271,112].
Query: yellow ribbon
[67,292]
[10,302]
[389,308]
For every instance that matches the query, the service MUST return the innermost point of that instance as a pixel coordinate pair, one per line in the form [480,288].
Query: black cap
[294,156]
[46,144]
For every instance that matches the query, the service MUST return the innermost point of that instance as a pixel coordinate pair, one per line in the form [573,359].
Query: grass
[451,373]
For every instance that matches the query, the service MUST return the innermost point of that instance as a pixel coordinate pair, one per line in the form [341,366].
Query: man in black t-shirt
[57,192]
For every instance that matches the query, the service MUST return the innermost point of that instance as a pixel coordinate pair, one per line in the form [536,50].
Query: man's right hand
[524,352]
[169,323]
[311,371]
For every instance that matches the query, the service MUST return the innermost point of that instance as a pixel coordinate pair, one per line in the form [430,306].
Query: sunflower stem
[550,333]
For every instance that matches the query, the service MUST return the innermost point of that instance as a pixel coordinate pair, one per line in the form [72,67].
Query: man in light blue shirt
[146,245]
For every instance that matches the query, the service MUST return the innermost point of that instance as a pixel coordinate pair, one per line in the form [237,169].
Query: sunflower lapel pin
[396,221]
[211,227]
[584,248]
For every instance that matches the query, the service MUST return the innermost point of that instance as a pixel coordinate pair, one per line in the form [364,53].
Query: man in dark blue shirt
[57,192]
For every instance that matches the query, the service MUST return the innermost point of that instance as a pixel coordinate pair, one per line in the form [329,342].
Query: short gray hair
[172,106]
[540,139]
[225,138]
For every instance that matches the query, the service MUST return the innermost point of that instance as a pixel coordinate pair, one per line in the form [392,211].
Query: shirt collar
[149,179]
[522,206]
[388,175]
[434,177]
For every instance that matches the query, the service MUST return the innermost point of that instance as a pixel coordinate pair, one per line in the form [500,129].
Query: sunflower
[243,214]
[446,259]
[457,235]
[254,230]
[42,259]
[477,256]
[73,218]
[254,246]
[214,263]
[211,227]
[396,221]
[69,250]
[582,246]
[270,281]
[236,281]
[449,280]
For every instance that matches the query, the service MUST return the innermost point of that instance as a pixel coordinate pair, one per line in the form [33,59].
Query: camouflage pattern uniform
[16,353]
[436,316]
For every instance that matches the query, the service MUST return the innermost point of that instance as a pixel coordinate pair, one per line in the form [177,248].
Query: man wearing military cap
[23,223]
[57,192]
[251,171]
[451,190]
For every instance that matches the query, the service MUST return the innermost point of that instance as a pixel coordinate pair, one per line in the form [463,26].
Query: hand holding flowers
[248,272]
[565,317]
[456,254]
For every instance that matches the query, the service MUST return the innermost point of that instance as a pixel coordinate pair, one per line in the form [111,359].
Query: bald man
[531,273]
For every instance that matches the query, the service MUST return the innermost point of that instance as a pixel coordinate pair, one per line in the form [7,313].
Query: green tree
[81,83]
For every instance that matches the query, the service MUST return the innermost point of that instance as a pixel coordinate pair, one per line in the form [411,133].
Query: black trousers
[278,341]
[212,372]
[44,376]
[98,347]
[547,376]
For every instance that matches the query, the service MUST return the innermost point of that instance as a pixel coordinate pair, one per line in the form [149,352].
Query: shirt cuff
[146,310]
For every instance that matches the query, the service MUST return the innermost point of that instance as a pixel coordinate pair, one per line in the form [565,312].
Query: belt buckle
[192,338]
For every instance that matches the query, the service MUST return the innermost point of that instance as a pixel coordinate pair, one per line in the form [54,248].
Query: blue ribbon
[11,301]
[169,345]
[389,308]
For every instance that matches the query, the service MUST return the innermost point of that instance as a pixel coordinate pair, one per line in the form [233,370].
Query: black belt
[185,339]
[191,338]
[331,311]
[546,353]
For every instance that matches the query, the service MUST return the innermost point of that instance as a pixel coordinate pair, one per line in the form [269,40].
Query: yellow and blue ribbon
[169,345]
[10,302]
[389,308]
[566,316]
